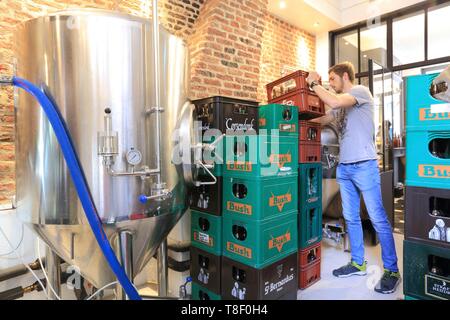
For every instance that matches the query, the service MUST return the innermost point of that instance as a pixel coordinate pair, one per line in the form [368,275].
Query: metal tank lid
[94,11]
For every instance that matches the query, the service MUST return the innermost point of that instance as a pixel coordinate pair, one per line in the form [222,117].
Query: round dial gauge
[134,157]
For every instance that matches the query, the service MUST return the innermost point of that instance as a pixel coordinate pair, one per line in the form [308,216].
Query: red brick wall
[236,48]
[284,48]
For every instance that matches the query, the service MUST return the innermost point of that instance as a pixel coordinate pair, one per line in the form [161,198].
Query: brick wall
[236,48]
[178,16]
[226,48]
[285,48]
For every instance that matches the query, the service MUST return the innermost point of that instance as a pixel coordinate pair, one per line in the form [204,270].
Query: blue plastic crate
[419,115]
[423,168]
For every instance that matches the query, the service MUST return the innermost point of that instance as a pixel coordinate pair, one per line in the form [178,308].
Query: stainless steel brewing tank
[90,60]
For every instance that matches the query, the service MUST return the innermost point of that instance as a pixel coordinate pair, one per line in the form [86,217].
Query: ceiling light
[365,56]
[282,4]
[316,24]
[346,43]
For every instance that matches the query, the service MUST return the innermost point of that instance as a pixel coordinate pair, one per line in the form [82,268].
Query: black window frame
[389,18]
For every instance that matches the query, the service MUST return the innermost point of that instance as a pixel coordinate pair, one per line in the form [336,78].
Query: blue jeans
[354,179]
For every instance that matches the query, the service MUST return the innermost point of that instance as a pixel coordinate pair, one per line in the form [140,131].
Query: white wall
[322,54]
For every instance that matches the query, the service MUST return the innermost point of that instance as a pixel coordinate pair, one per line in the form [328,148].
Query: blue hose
[79,180]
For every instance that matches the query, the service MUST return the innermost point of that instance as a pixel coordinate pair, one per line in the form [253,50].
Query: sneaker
[388,282]
[351,269]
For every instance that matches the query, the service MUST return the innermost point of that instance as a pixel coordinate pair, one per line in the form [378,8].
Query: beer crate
[310,131]
[428,154]
[294,90]
[278,119]
[277,281]
[309,152]
[310,225]
[206,232]
[426,271]
[260,155]
[427,217]
[309,275]
[310,183]
[207,198]
[206,269]
[259,243]
[423,111]
[309,255]
[201,293]
[252,199]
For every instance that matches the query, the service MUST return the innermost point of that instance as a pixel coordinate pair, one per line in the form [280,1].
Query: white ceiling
[301,14]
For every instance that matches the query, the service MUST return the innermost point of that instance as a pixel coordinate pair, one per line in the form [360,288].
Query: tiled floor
[353,288]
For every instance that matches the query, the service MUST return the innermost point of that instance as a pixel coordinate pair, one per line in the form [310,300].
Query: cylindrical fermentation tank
[98,68]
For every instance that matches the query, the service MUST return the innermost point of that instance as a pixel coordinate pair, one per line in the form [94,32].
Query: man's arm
[324,120]
[333,100]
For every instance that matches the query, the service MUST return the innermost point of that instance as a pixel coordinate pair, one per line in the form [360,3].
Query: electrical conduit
[79,180]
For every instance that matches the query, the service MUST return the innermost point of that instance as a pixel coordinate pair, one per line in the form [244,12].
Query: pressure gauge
[134,157]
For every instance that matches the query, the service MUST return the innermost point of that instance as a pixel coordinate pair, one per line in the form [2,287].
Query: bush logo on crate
[287,127]
[433,171]
[427,115]
[239,208]
[239,166]
[262,122]
[204,238]
[280,241]
[280,200]
[280,159]
[436,287]
[239,126]
[240,250]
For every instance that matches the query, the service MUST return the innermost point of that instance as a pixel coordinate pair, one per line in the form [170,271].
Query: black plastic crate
[207,198]
[277,281]
[227,114]
[427,215]
[426,272]
[206,269]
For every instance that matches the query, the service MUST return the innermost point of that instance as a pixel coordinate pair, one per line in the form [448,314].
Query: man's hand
[313,76]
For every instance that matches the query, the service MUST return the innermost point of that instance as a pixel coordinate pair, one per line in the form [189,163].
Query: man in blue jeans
[358,172]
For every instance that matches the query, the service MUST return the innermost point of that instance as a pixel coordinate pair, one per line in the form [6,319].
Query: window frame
[389,19]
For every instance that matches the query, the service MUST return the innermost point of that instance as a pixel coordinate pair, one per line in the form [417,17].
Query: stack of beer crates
[216,116]
[427,218]
[260,209]
[293,90]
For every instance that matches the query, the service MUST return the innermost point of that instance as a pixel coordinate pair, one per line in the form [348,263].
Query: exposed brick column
[226,48]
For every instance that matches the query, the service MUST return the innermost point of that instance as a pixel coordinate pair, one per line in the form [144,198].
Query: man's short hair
[344,67]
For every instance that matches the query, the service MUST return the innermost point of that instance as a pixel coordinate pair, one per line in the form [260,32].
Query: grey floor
[353,288]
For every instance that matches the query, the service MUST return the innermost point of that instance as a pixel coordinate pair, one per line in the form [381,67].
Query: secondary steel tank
[98,68]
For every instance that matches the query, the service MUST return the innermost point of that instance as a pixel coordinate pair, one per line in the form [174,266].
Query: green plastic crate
[278,119]
[258,244]
[310,183]
[423,169]
[310,225]
[252,199]
[260,155]
[206,232]
[201,293]
[426,271]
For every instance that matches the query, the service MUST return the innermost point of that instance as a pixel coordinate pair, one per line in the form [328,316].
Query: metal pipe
[125,245]
[53,268]
[156,73]
[162,269]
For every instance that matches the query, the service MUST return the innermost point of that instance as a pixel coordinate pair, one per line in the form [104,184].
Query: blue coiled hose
[79,180]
